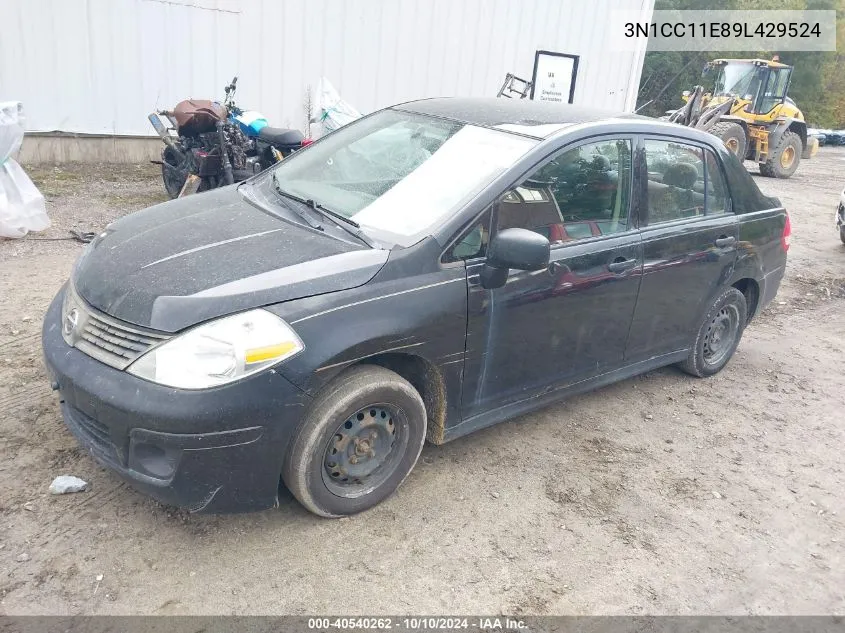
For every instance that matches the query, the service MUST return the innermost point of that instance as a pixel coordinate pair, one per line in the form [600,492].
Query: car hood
[199,257]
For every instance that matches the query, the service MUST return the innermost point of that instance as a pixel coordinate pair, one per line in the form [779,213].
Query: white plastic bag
[332,111]
[22,206]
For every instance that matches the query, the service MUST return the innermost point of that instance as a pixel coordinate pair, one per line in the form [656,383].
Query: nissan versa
[426,271]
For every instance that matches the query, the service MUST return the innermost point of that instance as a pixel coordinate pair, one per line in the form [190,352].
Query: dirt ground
[662,494]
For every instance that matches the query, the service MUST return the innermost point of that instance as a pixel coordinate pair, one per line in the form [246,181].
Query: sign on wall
[554,77]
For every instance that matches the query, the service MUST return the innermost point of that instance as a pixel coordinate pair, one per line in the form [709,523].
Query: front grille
[113,342]
[90,432]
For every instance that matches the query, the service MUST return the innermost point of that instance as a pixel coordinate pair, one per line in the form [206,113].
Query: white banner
[554,77]
[763,31]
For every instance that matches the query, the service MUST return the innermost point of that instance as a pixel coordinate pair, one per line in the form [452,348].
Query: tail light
[306,141]
[787,234]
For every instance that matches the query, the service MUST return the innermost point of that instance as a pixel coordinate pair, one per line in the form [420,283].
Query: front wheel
[358,442]
[733,136]
[718,336]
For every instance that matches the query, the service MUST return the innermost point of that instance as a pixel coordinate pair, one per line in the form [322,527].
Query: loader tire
[733,136]
[783,160]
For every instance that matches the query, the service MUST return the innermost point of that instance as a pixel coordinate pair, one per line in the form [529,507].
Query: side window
[775,89]
[717,200]
[675,181]
[582,192]
[472,243]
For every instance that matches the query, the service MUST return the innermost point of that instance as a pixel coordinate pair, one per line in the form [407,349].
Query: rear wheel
[718,336]
[842,234]
[783,160]
[174,174]
[733,136]
[358,442]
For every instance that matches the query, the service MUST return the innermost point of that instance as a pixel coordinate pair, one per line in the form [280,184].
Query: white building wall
[100,66]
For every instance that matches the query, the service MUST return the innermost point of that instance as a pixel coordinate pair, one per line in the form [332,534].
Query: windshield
[399,174]
[741,80]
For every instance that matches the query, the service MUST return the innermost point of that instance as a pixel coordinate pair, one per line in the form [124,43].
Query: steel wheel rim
[720,335]
[787,158]
[365,450]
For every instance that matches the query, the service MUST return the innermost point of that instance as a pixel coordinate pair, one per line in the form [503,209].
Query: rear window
[745,193]
[676,182]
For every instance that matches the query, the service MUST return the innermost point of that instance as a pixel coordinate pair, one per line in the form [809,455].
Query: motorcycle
[210,144]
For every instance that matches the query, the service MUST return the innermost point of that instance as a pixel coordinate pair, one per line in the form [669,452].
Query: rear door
[689,237]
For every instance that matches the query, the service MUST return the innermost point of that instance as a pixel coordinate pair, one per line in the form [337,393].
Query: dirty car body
[517,253]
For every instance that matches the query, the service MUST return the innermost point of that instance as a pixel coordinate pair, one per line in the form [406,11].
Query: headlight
[219,352]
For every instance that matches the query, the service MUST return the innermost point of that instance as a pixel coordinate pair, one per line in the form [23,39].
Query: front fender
[736,119]
[421,315]
[785,125]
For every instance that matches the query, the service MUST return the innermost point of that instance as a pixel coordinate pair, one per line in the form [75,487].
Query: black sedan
[429,270]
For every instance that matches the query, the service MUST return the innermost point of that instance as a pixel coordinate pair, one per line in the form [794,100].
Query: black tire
[172,173]
[733,136]
[709,356]
[789,147]
[337,490]
[842,234]
[175,174]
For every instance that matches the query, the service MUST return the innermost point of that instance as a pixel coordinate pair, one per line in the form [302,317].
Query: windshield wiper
[355,229]
[320,209]
[298,210]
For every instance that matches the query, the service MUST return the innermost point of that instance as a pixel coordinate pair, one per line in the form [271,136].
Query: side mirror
[514,248]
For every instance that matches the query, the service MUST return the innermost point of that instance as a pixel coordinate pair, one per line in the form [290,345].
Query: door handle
[725,240]
[620,265]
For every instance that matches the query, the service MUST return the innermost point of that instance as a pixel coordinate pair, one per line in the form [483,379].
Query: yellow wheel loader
[749,110]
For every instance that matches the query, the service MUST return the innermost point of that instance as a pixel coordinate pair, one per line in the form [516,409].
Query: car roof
[539,119]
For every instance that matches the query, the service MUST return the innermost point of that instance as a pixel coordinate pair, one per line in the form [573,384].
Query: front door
[689,245]
[552,327]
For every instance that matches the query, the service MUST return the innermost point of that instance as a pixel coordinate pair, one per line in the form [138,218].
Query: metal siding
[100,66]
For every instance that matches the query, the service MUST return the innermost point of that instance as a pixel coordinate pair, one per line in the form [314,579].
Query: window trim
[704,147]
[448,263]
[721,168]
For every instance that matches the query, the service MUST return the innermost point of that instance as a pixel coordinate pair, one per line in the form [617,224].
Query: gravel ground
[662,494]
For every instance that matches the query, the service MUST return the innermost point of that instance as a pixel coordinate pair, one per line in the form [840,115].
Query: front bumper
[214,450]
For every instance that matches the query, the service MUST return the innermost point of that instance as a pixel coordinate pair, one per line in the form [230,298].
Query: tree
[817,85]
